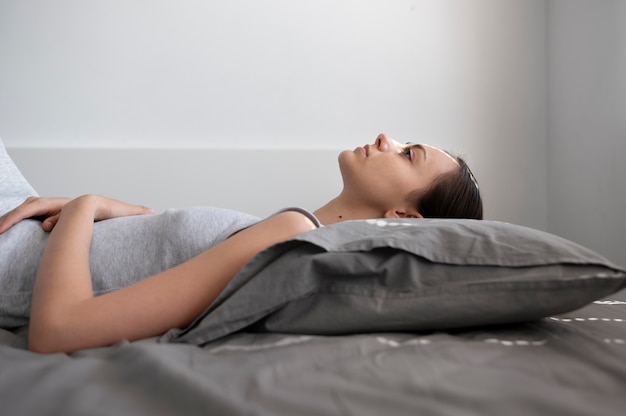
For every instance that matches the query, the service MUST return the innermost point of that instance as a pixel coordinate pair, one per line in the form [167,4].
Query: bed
[379,317]
[571,364]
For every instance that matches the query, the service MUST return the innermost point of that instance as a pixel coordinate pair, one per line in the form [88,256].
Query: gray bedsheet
[572,364]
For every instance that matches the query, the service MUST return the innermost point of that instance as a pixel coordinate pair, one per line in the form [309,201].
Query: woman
[386,179]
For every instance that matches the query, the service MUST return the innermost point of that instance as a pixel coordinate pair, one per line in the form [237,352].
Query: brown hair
[452,195]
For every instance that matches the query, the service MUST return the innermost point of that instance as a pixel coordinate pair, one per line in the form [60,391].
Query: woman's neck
[338,210]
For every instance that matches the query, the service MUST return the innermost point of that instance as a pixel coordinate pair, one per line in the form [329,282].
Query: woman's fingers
[49,223]
[50,211]
[25,210]
[111,208]
[5,223]
[32,207]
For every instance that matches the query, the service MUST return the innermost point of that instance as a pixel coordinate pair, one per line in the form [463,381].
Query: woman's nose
[382,142]
[385,143]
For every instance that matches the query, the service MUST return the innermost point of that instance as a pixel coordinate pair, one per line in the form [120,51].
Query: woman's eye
[407,153]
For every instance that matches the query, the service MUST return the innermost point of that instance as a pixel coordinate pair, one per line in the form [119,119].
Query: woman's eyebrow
[419,146]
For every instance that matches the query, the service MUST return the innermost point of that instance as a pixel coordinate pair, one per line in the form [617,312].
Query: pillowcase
[406,275]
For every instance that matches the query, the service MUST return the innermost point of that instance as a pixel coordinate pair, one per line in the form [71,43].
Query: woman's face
[383,174]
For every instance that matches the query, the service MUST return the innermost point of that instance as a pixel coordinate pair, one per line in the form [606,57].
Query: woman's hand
[49,209]
[106,208]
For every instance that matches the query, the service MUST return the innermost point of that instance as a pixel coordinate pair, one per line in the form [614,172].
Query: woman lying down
[383,179]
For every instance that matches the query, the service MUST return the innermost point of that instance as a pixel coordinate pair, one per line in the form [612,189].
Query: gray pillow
[406,275]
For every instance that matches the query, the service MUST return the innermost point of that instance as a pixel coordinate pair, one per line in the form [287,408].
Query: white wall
[466,75]
[587,130]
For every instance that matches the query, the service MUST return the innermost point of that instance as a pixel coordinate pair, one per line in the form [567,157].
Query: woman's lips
[365,149]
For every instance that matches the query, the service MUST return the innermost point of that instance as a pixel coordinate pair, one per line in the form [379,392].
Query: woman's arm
[65,316]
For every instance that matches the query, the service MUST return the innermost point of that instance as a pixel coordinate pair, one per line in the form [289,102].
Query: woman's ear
[394,213]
